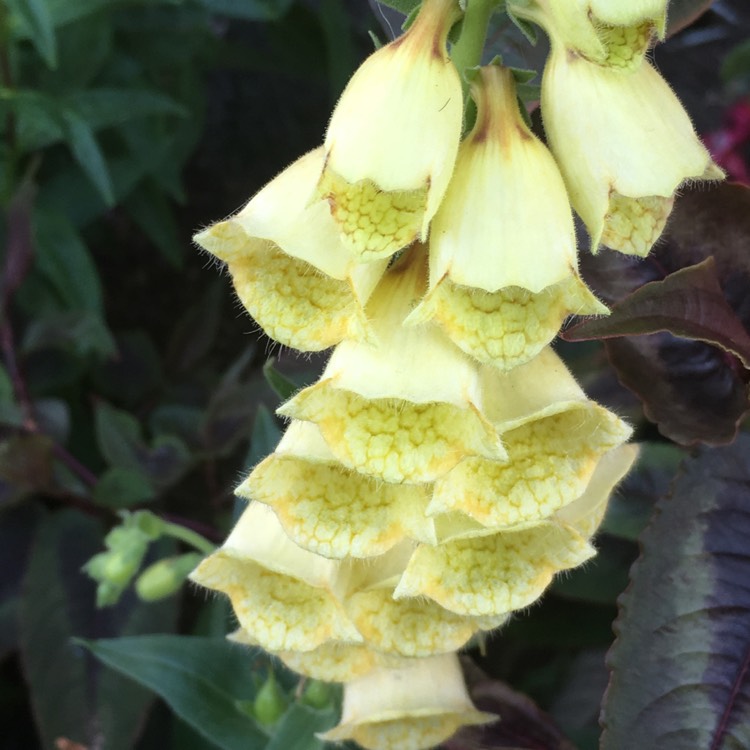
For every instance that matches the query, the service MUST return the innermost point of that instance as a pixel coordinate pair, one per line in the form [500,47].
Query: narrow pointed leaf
[201,679]
[681,662]
[36,16]
[89,156]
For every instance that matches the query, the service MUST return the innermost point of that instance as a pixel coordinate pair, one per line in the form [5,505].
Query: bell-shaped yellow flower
[503,267]
[623,149]
[415,627]
[393,137]
[484,574]
[282,595]
[289,267]
[333,661]
[554,437]
[611,33]
[413,707]
[408,409]
[329,509]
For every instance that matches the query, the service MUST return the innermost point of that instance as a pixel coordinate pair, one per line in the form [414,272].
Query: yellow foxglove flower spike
[289,267]
[483,574]
[554,437]
[414,627]
[624,148]
[611,33]
[332,661]
[282,595]
[393,137]
[503,267]
[413,707]
[329,509]
[407,410]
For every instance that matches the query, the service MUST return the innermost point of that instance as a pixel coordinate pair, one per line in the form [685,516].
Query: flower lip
[392,138]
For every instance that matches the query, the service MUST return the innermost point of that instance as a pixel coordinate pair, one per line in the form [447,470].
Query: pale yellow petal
[289,267]
[329,509]
[550,462]
[281,594]
[411,707]
[623,150]
[493,574]
[503,274]
[407,410]
[508,327]
[393,136]
[333,661]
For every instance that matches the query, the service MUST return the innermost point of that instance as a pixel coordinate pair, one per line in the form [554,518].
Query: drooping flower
[484,574]
[624,148]
[332,661]
[611,33]
[503,269]
[414,628]
[554,437]
[408,409]
[282,595]
[393,137]
[289,267]
[332,510]
[416,705]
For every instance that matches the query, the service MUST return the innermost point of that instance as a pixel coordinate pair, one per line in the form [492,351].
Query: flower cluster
[446,465]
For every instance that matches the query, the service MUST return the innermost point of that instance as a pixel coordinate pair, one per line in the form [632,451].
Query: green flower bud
[317,694]
[165,577]
[270,703]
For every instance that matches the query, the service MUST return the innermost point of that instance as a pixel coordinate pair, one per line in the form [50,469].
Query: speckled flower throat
[446,465]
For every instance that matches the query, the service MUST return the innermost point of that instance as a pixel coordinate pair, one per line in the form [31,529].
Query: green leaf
[119,487]
[684,12]
[151,211]
[82,333]
[118,435]
[201,679]
[64,11]
[681,661]
[71,696]
[249,10]
[602,579]
[64,260]
[86,151]
[297,728]
[121,443]
[736,64]
[265,437]
[36,15]
[104,107]
[281,384]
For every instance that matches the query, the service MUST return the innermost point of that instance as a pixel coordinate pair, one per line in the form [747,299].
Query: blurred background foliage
[132,382]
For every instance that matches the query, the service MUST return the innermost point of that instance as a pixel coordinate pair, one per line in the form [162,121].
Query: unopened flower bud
[270,702]
[165,577]
[393,136]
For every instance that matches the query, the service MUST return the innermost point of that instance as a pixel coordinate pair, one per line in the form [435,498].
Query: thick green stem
[467,51]
[189,537]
